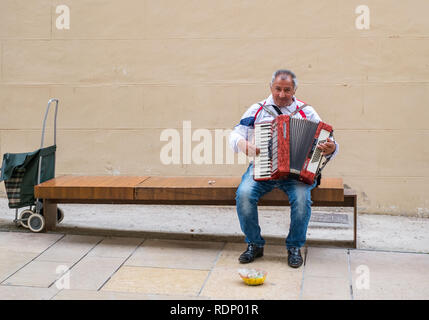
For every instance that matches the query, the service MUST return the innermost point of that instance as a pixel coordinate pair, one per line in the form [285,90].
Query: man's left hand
[327,148]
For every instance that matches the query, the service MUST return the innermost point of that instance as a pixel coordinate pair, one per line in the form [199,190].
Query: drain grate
[329,217]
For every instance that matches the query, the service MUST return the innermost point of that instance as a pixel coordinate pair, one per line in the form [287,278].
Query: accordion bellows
[289,148]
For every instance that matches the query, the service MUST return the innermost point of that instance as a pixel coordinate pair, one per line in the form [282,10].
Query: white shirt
[257,114]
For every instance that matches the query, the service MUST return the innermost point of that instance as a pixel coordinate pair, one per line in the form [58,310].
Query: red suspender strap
[256,114]
[300,109]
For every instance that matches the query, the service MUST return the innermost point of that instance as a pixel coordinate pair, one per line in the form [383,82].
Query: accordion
[288,149]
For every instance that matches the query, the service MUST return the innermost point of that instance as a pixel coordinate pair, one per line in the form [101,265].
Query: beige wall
[126,70]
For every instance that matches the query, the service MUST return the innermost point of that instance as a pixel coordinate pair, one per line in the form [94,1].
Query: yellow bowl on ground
[253,277]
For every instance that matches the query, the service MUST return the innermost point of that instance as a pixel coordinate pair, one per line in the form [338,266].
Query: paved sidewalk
[67,266]
[190,252]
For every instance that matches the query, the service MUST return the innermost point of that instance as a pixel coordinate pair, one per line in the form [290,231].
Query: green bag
[20,174]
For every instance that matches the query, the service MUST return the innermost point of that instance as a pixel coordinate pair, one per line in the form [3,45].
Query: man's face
[283,90]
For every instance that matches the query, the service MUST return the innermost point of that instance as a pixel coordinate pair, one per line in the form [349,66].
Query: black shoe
[294,258]
[251,253]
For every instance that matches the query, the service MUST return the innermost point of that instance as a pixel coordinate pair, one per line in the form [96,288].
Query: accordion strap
[265,107]
[277,109]
[326,160]
[298,110]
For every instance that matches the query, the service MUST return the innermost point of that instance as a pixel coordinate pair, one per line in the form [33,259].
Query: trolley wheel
[24,216]
[60,215]
[36,222]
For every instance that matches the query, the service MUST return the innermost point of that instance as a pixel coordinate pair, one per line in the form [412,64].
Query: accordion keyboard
[262,161]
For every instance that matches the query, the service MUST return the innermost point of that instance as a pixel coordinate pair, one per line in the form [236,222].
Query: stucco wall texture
[127,70]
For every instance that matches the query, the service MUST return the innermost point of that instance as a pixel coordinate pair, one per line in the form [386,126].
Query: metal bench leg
[355,221]
[50,215]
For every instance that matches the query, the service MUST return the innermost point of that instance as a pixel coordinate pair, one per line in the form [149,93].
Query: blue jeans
[247,196]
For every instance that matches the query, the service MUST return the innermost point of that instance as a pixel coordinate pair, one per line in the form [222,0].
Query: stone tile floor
[66,266]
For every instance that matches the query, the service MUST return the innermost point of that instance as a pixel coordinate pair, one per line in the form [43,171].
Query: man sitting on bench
[283,86]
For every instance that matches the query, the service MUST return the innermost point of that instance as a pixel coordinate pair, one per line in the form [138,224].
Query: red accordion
[289,149]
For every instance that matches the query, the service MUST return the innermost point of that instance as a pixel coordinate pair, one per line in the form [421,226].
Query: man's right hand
[248,148]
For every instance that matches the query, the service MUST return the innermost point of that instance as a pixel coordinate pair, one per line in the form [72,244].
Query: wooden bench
[173,191]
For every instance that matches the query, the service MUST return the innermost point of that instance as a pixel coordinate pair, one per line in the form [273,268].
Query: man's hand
[327,148]
[248,148]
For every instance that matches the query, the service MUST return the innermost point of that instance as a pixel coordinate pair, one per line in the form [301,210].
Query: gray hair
[287,73]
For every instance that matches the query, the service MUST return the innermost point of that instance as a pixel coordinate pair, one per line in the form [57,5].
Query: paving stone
[38,274]
[179,254]
[161,281]
[73,294]
[225,283]
[111,295]
[116,247]
[12,261]
[26,293]
[325,288]
[397,262]
[282,282]
[392,287]
[69,249]
[90,273]
[326,262]
[27,242]
[389,275]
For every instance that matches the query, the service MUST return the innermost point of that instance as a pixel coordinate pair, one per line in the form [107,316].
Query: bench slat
[188,189]
[223,189]
[190,182]
[89,187]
